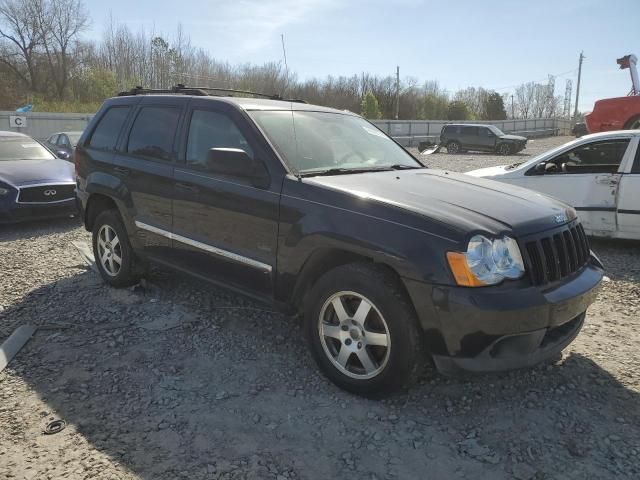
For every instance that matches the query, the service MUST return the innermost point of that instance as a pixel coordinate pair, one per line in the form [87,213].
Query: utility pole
[575,112]
[512,109]
[397,92]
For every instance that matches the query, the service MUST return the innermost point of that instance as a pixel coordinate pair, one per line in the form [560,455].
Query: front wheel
[504,149]
[362,330]
[633,124]
[112,251]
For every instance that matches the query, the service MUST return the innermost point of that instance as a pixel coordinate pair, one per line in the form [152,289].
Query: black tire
[504,149]
[400,364]
[633,124]
[127,273]
[453,147]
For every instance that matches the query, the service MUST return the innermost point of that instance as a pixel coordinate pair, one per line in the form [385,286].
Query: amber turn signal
[461,272]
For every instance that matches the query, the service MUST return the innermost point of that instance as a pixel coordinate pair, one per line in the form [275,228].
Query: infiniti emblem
[560,218]
[50,193]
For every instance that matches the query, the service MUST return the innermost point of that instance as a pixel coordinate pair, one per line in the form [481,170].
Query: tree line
[45,59]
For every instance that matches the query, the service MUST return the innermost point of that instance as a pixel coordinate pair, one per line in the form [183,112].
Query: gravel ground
[176,379]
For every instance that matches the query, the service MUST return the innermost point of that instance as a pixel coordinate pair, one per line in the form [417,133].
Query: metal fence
[411,132]
[42,124]
[407,132]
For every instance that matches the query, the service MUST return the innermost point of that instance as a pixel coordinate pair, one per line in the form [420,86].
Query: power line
[535,81]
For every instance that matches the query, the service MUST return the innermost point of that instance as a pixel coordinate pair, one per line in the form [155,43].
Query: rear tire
[633,124]
[362,330]
[113,253]
[453,147]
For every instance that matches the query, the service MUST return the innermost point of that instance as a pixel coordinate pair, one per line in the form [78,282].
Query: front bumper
[23,212]
[502,328]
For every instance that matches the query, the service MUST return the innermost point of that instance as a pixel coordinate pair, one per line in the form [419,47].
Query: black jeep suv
[485,138]
[318,212]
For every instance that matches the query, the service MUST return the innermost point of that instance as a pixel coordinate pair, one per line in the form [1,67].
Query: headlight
[486,261]
[3,191]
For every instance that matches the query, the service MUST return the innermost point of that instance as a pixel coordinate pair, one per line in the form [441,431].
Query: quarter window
[106,132]
[153,132]
[208,130]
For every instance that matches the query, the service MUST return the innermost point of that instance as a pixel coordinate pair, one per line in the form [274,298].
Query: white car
[599,175]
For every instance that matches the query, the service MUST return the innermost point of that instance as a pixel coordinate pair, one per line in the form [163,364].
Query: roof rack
[201,91]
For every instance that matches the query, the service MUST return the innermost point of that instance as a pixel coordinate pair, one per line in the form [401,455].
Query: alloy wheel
[109,250]
[453,148]
[635,124]
[505,149]
[354,335]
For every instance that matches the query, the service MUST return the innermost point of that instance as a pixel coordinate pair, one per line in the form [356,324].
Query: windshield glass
[23,149]
[73,138]
[495,130]
[311,142]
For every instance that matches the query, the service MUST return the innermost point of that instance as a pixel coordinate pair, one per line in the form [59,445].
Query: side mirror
[237,163]
[63,154]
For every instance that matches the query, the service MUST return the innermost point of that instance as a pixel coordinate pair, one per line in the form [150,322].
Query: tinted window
[106,133]
[212,130]
[153,132]
[53,139]
[63,141]
[470,131]
[636,164]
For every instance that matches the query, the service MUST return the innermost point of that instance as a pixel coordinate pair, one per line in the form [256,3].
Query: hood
[489,171]
[462,202]
[515,138]
[23,172]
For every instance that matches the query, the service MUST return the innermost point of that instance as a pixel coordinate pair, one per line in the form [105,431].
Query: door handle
[186,186]
[606,181]
[121,170]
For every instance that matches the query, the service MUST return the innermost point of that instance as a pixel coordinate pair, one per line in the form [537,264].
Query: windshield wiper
[346,171]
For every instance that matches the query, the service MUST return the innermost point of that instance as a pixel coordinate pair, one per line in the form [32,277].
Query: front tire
[362,330]
[504,149]
[112,251]
[633,124]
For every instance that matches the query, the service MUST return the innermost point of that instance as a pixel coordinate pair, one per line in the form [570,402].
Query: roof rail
[201,91]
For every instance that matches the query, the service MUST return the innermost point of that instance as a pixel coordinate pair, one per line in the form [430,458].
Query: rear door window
[106,133]
[153,132]
[470,131]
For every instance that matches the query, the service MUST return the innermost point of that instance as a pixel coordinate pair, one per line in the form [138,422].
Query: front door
[586,178]
[486,139]
[629,198]
[224,228]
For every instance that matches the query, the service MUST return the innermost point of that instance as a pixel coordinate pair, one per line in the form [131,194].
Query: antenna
[286,67]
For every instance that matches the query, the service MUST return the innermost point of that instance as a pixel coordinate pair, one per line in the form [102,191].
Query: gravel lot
[178,379]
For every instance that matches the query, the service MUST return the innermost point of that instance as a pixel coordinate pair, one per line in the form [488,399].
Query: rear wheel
[633,124]
[504,149]
[112,251]
[362,331]
[453,147]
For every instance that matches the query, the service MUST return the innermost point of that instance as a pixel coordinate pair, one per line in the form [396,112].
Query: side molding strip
[207,248]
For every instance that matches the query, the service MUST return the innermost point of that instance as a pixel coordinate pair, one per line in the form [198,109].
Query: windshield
[73,138]
[316,142]
[23,149]
[495,130]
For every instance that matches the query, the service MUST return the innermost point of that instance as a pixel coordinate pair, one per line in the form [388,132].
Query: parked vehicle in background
[382,256]
[485,138]
[621,112]
[63,143]
[34,184]
[579,129]
[598,174]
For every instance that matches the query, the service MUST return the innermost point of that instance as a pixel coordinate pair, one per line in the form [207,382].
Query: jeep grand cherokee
[318,212]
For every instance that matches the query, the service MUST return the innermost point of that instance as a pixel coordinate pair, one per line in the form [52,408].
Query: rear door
[469,137]
[225,228]
[629,196]
[144,163]
[586,177]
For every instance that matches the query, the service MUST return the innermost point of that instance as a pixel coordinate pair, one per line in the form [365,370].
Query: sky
[494,44]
